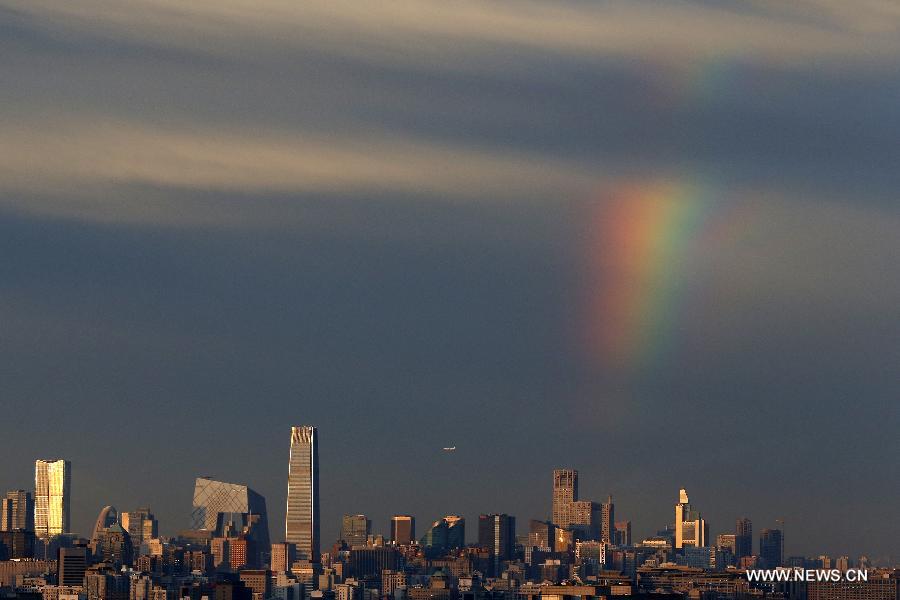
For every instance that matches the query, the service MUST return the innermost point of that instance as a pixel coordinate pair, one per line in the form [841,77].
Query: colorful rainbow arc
[642,237]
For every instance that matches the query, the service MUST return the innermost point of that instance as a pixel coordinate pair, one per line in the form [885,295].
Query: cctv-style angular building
[229,509]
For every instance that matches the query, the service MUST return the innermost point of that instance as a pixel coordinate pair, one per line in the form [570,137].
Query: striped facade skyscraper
[52,497]
[301,523]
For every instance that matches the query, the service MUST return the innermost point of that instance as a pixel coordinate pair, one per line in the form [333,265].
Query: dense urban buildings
[52,497]
[302,514]
[220,557]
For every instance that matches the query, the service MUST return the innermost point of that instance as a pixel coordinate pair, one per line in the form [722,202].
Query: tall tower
[52,497]
[565,492]
[497,533]
[743,539]
[301,523]
[607,521]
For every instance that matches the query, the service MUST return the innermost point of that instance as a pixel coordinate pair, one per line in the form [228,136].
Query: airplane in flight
[450,449]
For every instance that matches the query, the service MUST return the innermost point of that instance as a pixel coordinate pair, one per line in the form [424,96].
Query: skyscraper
[565,492]
[690,528]
[403,529]
[743,539]
[355,529]
[497,533]
[770,547]
[583,517]
[301,523]
[229,509]
[607,521]
[17,511]
[52,497]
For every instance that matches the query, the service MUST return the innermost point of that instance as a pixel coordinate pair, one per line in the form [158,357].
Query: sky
[656,241]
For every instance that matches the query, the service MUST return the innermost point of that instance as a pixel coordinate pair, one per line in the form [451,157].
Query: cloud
[434,33]
[80,158]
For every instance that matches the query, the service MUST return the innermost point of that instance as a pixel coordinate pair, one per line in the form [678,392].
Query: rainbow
[642,239]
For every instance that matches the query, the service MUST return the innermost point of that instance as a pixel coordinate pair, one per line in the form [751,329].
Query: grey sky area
[654,241]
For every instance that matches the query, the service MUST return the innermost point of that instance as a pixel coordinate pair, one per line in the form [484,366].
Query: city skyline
[565,477]
[654,241]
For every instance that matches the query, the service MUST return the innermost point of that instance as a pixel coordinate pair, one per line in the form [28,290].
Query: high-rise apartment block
[565,492]
[282,557]
[17,511]
[607,520]
[583,517]
[403,529]
[302,515]
[52,497]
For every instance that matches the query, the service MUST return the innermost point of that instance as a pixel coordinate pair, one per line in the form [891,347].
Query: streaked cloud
[76,158]
[428,30]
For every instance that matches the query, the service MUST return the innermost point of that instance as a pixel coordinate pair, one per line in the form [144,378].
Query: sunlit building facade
[690,528]
[52,497]
[301,523]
